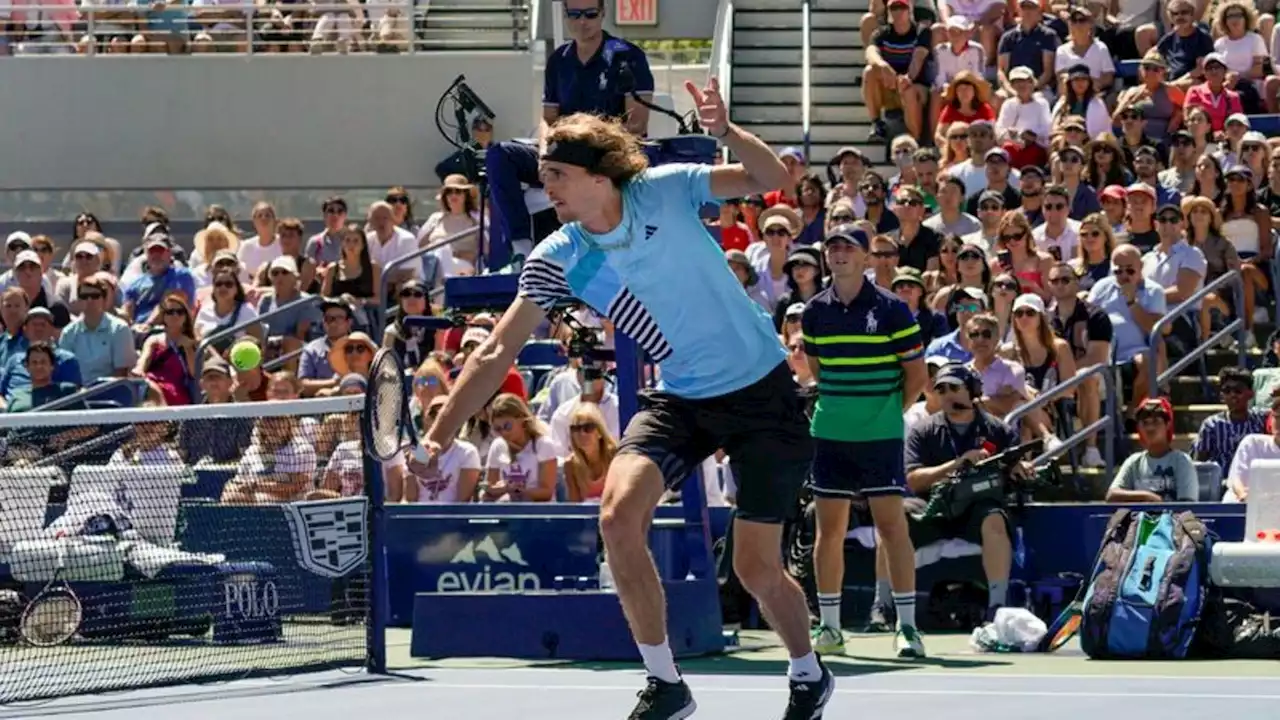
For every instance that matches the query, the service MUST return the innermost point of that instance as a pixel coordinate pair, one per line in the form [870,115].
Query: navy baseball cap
[954,374]
[848,233]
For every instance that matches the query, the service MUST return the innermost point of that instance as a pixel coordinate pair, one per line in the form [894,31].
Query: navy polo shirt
[572,86]
[1181,53]
[936,441]
[1025,47]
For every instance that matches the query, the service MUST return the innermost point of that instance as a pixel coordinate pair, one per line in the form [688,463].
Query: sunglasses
[85,256]
[910,202]
[971,308]
[90,296]
[224,284]
[969,256]
[777,232]
[944,250]
[945,388]
[587,14]
[398,200]
[412,294]
[882,254]
[1006,286]
[582,428]
[990,207]
[1252,147]
[335,211]
[1025,313]
[1012,238]
[1091,234]
[354,349]
[1129,116]
[1169,219]
[1124,271]
[1055,206]
[1060,280]
[841,218]
[958,136]
[174,312]
[981,335]
[279,272]
[335,318]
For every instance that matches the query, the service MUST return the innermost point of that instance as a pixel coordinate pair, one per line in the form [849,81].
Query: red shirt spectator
[1218,102]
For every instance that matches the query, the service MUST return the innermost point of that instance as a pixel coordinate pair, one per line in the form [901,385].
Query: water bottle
[606,577]
[1019,549]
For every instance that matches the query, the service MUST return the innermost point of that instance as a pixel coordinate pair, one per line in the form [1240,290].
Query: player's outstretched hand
[712,115]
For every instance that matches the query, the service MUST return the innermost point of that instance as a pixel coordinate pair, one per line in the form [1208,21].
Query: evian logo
[483,576]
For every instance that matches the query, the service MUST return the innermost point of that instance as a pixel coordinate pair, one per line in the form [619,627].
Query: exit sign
[636,12]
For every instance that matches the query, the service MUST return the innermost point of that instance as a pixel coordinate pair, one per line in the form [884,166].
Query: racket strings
[388,386]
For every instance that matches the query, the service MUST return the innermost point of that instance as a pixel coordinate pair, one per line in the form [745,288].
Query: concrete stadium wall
[282,121]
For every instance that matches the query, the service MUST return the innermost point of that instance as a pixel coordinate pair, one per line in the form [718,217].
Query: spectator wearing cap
[290,233]
[86,260]
[972,271]
[746,273]
[917,245]
[803,271]
[1080,100]
[1030,45]
[990,211]
[998,177]
[325,247]
[14,244]
[797,166]
[985,18]
[960,94]
[1047,361]
[1059,235]
[1082,48]
[875,193]
[293,327]
[593,390]
[1213,95]
[779,226]
[908,285]
[1247,225]
[1083,197]
[411,342]
[1113,200]
[102,342]
[214,440]
[28,274]
[1244,52]
[1139,224]
[981,139]
[1159,473]
[951,219]
[791,320]
[1133,133]
[1032,194]
[350,354]
[894,73]
[1158,103]
[1180,176]
[1254,152]
[728,229]
[1025,111]
[852,165]
[43,247]
[214,241]
[143,295]
[39,328]
[458,211]
[1184,45]
[1227,149]
[472,339]
[962,304]
[882,263]
[314,368]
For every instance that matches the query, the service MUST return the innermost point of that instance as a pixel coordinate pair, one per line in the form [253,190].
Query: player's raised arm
[485,370]
[758,168]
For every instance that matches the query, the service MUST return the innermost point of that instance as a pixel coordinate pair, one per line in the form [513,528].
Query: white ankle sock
[829,609]
[659,663]
[804,669]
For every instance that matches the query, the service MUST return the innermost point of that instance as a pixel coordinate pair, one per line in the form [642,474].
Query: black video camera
[990,480]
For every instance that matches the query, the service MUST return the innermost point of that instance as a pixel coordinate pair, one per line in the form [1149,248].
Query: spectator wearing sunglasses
[101,341]
[1134,304]
[804,279]
[874,193]
[1087,332]
[294,327]
[1004,382]
[1181,173]
[1134,135]
[917,245]
[882,267]
[1059,235]
[1177,267]
[1262,445]
[411,344]
[963,304]
[990,206]
[971,271]
[779,226]
[325,247]
[1220,434]
[1184,45]
[999,179]
[596,391]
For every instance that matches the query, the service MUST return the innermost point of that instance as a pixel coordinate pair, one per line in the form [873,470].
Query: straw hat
[789,214]
[213,229]
[338,353]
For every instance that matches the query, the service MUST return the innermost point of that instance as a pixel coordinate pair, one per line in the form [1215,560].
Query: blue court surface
[872,689]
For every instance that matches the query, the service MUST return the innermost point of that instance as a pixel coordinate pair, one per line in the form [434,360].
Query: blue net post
[379,608]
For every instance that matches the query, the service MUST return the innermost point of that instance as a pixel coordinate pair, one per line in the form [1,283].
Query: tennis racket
[53,616]
[1064,628]
[388,424]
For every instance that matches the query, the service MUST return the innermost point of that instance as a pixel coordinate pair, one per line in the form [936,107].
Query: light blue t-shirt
[664,282]
[1127,338]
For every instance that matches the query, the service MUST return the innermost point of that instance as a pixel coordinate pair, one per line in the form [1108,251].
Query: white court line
[907,672]
[854,691]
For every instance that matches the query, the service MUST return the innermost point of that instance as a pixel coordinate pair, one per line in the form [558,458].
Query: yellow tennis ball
[245,356]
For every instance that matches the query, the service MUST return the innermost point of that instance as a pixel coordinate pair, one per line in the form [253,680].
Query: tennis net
[156,546]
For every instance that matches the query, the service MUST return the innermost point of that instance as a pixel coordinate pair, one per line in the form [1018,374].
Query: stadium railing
[1197,354]
[1106,422]
[236,329]
[135,385]
[378,31]
[380,310]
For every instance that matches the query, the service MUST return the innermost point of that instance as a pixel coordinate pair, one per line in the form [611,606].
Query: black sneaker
[883,619]
[663,701]
[879,133]
[809,698]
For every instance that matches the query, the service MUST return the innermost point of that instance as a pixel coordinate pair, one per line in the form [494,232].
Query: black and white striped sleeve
[543,281]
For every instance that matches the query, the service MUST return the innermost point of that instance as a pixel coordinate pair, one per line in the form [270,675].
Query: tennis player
[634,248]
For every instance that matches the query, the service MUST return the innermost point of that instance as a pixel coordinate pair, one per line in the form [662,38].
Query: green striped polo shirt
[860,348]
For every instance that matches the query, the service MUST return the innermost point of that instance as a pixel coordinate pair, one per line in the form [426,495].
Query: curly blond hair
[622,159]
[1220,17]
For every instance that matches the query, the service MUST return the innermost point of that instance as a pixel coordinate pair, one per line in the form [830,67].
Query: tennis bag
[1148,588]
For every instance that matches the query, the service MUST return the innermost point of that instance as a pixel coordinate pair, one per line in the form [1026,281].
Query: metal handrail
[81,395]
[1069,385]
[806,51]
[278,362]
[721,64]
[380,310]
[1236,326]
[237,328]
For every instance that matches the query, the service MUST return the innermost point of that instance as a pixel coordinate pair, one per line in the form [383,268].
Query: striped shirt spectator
[1220,434]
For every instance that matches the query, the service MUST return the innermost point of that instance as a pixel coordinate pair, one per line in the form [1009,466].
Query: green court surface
[761,653]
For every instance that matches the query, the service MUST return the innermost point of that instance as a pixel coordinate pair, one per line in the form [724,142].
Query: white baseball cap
[1029,300]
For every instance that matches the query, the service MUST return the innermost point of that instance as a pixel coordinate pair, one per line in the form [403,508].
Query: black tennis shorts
[763,427]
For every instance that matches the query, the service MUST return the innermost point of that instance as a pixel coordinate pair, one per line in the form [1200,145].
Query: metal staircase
[768,80]
[473,25]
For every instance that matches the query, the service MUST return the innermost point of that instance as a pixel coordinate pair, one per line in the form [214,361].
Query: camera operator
[949,443]
[594,72]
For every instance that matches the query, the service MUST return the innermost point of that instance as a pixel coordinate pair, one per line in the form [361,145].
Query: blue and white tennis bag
[1148,587]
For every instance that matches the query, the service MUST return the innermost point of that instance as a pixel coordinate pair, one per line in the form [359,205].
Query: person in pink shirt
[47,25]
[1213,95]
